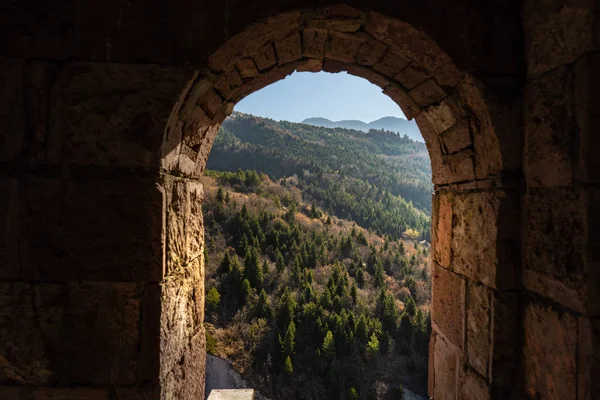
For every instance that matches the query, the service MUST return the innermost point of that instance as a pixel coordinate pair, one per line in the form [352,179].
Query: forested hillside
[318,276]
[309,306]
[390,163]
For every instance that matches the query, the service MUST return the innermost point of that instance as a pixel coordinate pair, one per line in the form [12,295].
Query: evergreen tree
[220,195]
[354,294]
[328,346]
[252,269]
[289,340]
[373,345]
[280,264]
[288,367]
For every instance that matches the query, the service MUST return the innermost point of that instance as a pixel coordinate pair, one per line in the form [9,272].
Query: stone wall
[561,203]
[108,114]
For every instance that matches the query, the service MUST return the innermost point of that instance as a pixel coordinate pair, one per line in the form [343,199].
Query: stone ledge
[231,394]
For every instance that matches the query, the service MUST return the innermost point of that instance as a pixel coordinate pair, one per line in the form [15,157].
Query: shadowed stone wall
[109,111]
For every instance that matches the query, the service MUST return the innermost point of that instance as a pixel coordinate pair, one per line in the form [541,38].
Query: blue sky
[333,96]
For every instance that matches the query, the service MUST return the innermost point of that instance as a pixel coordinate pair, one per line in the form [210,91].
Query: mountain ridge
[388,123]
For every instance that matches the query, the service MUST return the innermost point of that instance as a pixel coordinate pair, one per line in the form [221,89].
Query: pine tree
[360,277]
[220,196]
[328,346]
[373,345]
[288,367]
[289,340]
[354,294]
[252,268]
[280,265]
[225,265]
[227,198]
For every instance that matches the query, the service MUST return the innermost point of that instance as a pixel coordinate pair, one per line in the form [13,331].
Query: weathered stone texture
[561,242]
[557,32]
[343,47]
[107,114]
[77,230]
[429,92]
[448,304]
[391,64]
[479,310]
[446,369]
[588,358]
[247,68]
[442,229]
[550,353]
[472,386]
[313,41]
[265,57]
[485,225]
[182,340]
[549,130]
[289,49]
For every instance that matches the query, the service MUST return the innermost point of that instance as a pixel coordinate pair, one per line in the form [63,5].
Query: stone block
[549,353]
[412,76]
[460,166]
[587,115]
[210,102]
[446,370]
[228,82]
[10,200]
[313,42]
[404,101]
[370,52]
[448,304]
[12,112]
[311,65]
[390,64]
[588,358]
[105,229]
[443,116]
[23,356]
[557,33]
[195,127]
[427,93]
[560,241]
[111,115]
[549,130]
[346,25]
[485,234]
[368,74]
[78,393]
[289,49]
[251,42]
[102,322]
[442,229]
[265,57]
[472,387]
[457,137]
[343,47]
[247,68]
[479,310]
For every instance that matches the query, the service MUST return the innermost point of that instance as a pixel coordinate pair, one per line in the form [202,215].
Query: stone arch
[475,208]
[101,235]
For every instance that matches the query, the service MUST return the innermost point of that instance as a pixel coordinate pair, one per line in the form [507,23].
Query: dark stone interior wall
[101,275]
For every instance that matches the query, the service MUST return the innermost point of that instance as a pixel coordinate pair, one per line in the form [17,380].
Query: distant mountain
[393,124]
